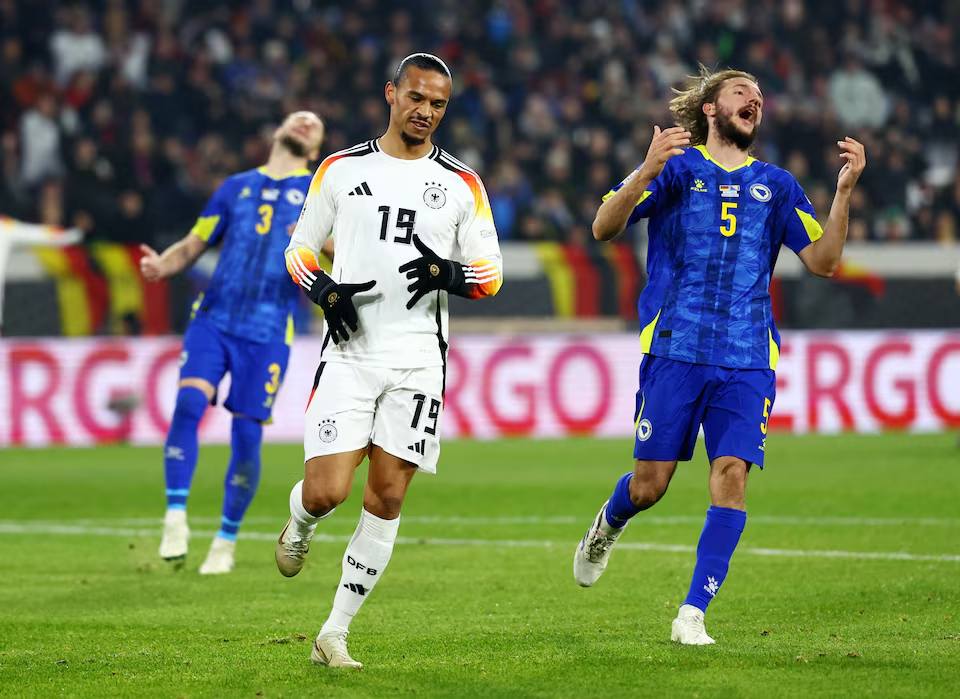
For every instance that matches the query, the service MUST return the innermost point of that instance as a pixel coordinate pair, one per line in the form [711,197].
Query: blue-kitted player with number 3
[241,325]
[717,220]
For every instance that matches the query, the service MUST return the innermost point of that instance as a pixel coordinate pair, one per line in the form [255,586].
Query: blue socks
[721,533]
[180,452]
[620,509]
[180,460]
[243,474]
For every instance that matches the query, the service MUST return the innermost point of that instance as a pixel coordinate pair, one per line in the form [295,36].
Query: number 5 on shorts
[432,414]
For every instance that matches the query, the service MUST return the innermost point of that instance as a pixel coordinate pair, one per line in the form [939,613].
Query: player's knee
[246,437]
[319,501]
[385,502]
[646,492]
[191,404]
[730,470]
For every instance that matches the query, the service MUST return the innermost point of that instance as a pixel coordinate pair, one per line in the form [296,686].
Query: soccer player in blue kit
[717,220]
[242,324]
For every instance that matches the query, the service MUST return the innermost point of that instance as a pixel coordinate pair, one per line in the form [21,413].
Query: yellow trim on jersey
[643,402]
[646,335]
[706,156]
[204,227]
[774,351]
[289,337]
[196,306]
[643,197]
[810,225]
[296,173]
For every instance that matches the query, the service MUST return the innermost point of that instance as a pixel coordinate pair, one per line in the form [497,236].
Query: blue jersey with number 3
[714,237]
[253,214]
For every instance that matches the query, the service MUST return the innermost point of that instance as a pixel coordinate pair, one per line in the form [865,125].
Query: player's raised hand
[336,300]
[856,159]
[429,272]
[665,144]
[150,265]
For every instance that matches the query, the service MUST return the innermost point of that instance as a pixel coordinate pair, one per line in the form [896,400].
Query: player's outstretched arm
[174,259]
[823,256]
[430,272]
[613,214]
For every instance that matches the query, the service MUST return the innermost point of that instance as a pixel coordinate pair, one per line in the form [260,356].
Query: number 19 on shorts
[430,423]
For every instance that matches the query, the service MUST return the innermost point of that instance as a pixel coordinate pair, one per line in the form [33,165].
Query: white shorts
[399,410]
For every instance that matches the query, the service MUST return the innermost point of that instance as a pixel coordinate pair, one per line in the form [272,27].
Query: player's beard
[295,147]
[728,131]
[411,141]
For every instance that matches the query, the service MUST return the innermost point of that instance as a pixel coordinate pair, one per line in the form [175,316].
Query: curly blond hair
[687,106]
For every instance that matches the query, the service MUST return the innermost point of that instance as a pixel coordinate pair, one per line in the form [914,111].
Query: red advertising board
[57,391]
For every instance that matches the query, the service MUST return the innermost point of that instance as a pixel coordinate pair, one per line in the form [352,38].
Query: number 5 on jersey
[729,218]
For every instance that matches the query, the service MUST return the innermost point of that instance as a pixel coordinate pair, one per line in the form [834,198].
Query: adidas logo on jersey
[419,447]
[359,589]
[360,190]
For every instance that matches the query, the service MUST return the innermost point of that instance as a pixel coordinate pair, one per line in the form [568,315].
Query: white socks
[366,556]
[303,519]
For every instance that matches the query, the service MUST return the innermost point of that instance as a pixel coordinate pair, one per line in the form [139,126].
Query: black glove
[430,273]
[336,300]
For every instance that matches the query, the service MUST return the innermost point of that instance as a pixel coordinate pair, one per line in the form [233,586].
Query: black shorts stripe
[443,348]
[316,379]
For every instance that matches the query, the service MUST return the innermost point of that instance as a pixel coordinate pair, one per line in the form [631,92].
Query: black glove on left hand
[336,300]
[430,273]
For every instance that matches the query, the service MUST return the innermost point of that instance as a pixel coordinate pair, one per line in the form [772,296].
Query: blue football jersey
[253,215]
[714,237]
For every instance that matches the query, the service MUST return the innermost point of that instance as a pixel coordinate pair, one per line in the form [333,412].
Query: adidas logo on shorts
[419,447]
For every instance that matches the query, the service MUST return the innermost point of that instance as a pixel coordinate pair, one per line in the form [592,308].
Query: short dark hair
[423,61]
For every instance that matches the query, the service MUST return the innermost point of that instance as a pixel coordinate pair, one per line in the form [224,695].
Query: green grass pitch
[846,582]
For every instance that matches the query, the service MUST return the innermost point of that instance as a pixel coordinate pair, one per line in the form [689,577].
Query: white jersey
[373,204]
[13,232]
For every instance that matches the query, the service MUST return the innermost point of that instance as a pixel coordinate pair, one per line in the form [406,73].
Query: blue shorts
[256,369]
[676,398]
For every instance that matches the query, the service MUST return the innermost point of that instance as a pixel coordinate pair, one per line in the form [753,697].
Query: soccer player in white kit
[412,224]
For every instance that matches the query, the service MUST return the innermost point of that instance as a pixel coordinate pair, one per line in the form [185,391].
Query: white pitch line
[652,520]
[75,530]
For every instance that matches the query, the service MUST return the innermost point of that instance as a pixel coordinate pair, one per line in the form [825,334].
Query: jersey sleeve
[798,217]
[656,194]
[478,242]
[38,234]
[215,217]
[313,228]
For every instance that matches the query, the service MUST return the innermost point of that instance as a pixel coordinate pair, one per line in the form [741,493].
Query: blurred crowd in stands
[122,116]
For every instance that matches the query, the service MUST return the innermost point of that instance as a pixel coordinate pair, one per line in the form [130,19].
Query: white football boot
[220,558]
[593,553]
[176,535]
[292,547]
[688,627]
[330,648]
